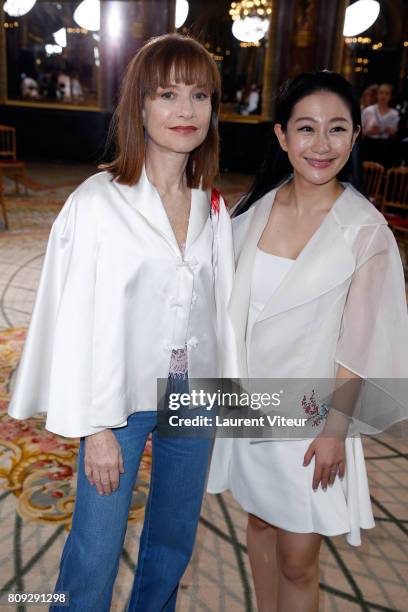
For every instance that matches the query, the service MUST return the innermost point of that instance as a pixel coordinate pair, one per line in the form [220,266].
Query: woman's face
[319,137]
[369,97]
[177,118]
[384,95]
[373,96]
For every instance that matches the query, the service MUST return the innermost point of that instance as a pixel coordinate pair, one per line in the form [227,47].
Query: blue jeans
[91,555]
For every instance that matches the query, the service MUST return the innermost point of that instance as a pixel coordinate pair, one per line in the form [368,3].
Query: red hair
[160,60]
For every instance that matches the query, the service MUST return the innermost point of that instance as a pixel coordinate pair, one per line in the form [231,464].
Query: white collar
[144,197]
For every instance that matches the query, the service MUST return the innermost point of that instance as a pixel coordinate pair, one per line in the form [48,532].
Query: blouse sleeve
[224,272]
[55,371]
[373,341]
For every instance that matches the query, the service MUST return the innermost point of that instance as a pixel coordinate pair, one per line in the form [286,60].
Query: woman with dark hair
[380,126]
[319,294]
[132,291]
[369,96]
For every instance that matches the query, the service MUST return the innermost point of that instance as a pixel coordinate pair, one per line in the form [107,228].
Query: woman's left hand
[330,460]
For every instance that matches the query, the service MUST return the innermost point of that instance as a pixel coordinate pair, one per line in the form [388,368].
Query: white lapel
[324,263]
[145,198]
[199,214]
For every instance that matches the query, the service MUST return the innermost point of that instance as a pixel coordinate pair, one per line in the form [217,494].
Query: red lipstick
[184,129]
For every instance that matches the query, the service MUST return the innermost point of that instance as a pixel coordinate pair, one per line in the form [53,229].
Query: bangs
[182,61]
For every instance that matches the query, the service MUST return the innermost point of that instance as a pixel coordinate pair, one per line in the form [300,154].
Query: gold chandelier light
[251,8]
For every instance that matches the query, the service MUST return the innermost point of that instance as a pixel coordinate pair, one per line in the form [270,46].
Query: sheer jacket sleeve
[373,341]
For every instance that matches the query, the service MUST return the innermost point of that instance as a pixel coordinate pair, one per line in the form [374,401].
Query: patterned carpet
[37,469]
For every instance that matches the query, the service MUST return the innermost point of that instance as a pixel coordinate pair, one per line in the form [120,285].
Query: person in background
[48,85]
[380,126]
[369,96]
[29,87]
[238,99]
[76,88]
[64,87]
[253,100]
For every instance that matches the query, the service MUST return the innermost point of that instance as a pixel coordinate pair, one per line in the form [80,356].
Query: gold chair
[9,163]
[373,174]
[395,205]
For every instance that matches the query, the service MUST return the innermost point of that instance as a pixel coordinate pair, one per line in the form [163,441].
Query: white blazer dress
[342,302]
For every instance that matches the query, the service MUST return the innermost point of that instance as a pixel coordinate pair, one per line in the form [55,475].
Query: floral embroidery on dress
[315,411]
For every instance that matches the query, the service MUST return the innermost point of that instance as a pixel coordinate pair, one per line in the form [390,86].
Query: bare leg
[261,541]
[298,561]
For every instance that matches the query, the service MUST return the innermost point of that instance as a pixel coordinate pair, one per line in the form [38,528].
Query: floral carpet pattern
[37,466]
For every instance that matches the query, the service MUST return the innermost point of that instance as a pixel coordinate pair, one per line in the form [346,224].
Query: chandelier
[182,8]
[87,15]
[360,16]
[18,8]
[251,19]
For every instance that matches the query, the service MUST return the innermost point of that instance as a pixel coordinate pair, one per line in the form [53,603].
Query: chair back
[373,174]
[396,191]
[395,206]
[7,143]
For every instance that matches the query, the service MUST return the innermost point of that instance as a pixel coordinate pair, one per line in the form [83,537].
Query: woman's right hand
[103,461]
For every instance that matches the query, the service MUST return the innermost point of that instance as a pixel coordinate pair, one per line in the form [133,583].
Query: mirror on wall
[50,58]
[237,34]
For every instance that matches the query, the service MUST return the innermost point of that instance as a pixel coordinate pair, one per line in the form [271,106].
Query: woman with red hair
[132,291]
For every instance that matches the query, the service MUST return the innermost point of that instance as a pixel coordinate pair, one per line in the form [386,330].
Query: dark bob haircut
[156,64]
[276,167]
